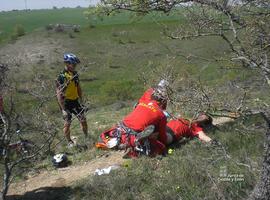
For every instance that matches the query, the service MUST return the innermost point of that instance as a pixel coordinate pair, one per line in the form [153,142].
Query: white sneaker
[71,144]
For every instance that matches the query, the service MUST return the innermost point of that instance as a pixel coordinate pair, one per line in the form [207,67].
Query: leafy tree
[24,135]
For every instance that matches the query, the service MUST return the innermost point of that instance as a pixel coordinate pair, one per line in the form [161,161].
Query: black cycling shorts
[73,107]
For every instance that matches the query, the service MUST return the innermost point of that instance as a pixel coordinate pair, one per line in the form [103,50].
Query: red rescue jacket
[146,114]
[183,128]
[146,97]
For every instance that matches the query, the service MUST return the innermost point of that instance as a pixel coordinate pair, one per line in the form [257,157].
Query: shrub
[13,37]
[49,27]
[19,30]
[76,28]
[59,28]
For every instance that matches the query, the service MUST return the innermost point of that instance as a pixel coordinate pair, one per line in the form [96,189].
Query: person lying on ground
[135,130]
[178,128]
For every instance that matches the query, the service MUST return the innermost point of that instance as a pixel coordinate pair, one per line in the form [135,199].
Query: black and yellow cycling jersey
[68,82]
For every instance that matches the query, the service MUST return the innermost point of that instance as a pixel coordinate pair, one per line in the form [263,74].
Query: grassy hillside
[77,16]
[118,50]
[41,18]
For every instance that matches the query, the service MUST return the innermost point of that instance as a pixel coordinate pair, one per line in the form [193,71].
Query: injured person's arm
[203,137]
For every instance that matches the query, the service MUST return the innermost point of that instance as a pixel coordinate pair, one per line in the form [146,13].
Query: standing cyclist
[69,94]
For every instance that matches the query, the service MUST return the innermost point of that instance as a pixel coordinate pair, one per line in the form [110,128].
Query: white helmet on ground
[60,160]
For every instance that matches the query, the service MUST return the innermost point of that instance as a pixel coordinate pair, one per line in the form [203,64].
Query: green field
[118,51]
[77,16]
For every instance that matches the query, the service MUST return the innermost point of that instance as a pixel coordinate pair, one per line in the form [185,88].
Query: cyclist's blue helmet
[71,58]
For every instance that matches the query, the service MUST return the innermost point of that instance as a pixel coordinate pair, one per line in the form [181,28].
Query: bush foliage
[19,30]
[119,90]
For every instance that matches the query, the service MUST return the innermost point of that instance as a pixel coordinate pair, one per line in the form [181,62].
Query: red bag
[156,147]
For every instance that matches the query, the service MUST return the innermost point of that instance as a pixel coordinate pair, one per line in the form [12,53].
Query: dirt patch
[35,48]
[66,176]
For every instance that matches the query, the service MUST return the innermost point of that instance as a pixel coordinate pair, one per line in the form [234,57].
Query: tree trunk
[262,189]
